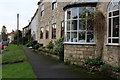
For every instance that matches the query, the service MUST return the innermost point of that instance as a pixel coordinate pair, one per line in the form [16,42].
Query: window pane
[90,11]
[81,11]
[73,36]
[74,13]
[68,14]
[68,37]
[74,25]
[116,7]
[110,14]
[90,37]
[115,13]
[109,40]
[81,24]
[116,27]
[68,25]
[109,28]
[54,31]
[115,41]
[81,37]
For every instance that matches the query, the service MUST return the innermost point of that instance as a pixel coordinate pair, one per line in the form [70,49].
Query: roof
[25,27]
[11,33]
[81,4]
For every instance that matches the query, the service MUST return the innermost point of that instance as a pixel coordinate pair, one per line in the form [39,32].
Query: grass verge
[11,68]
[13,53]
[20,70]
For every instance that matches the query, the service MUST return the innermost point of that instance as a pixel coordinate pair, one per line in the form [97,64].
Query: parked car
[1,45]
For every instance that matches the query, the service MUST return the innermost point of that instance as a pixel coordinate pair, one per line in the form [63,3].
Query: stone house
[51,21]
[33,25]
[25,31]
[92,30]
[11,36]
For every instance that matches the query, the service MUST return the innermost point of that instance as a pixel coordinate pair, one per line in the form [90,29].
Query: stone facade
[33,25]
[50,17]
[110,54]
[77,53]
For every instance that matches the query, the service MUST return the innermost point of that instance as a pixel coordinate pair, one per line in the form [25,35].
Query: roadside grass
[15,64]
[13,53]
[20,70]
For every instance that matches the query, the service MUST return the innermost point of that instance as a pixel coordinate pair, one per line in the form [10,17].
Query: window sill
[79,43]
[112,44]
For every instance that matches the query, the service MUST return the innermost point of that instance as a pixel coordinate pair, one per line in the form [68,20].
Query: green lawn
[13,53]
[20,70]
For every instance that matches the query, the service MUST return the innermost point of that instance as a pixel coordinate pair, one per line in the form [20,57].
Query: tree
[18,35]
[4,33]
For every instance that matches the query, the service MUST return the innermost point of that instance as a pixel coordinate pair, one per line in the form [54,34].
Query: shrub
[116,69]
[59,48]
[94,62]
[36,46]
[29,44]
[50,45]
[106,69]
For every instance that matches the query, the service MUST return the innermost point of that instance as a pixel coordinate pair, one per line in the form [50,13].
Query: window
[62,28]
[42,10]
[113,35]
[54,4]
[54,31]
[79,25]
[41,33]
[47,32]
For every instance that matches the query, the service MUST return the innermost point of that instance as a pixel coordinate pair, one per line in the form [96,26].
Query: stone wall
[76,54]
[111,55]
[50,17]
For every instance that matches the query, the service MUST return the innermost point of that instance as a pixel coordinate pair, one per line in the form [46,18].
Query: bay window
[79,25]
[113,34]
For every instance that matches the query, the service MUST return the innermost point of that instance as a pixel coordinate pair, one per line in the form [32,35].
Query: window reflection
[116,27]
[74,13]
[74,25]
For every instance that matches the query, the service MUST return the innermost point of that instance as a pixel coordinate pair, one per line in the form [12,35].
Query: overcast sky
[9,10]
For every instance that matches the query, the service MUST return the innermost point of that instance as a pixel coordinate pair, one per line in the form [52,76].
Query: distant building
[11,36]
[25,31]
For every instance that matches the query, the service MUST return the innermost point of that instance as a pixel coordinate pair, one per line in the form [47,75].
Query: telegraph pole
[17,29]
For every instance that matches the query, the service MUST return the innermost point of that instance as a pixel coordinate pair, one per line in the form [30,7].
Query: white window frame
[54,4]
[112,23]
[42,10]
[78,31]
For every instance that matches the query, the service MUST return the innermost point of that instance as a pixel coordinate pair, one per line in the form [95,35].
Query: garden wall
[76,54]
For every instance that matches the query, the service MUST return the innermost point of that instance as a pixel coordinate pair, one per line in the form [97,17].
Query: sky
[9,10]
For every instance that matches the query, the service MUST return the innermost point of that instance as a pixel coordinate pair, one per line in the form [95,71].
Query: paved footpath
[44,68]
